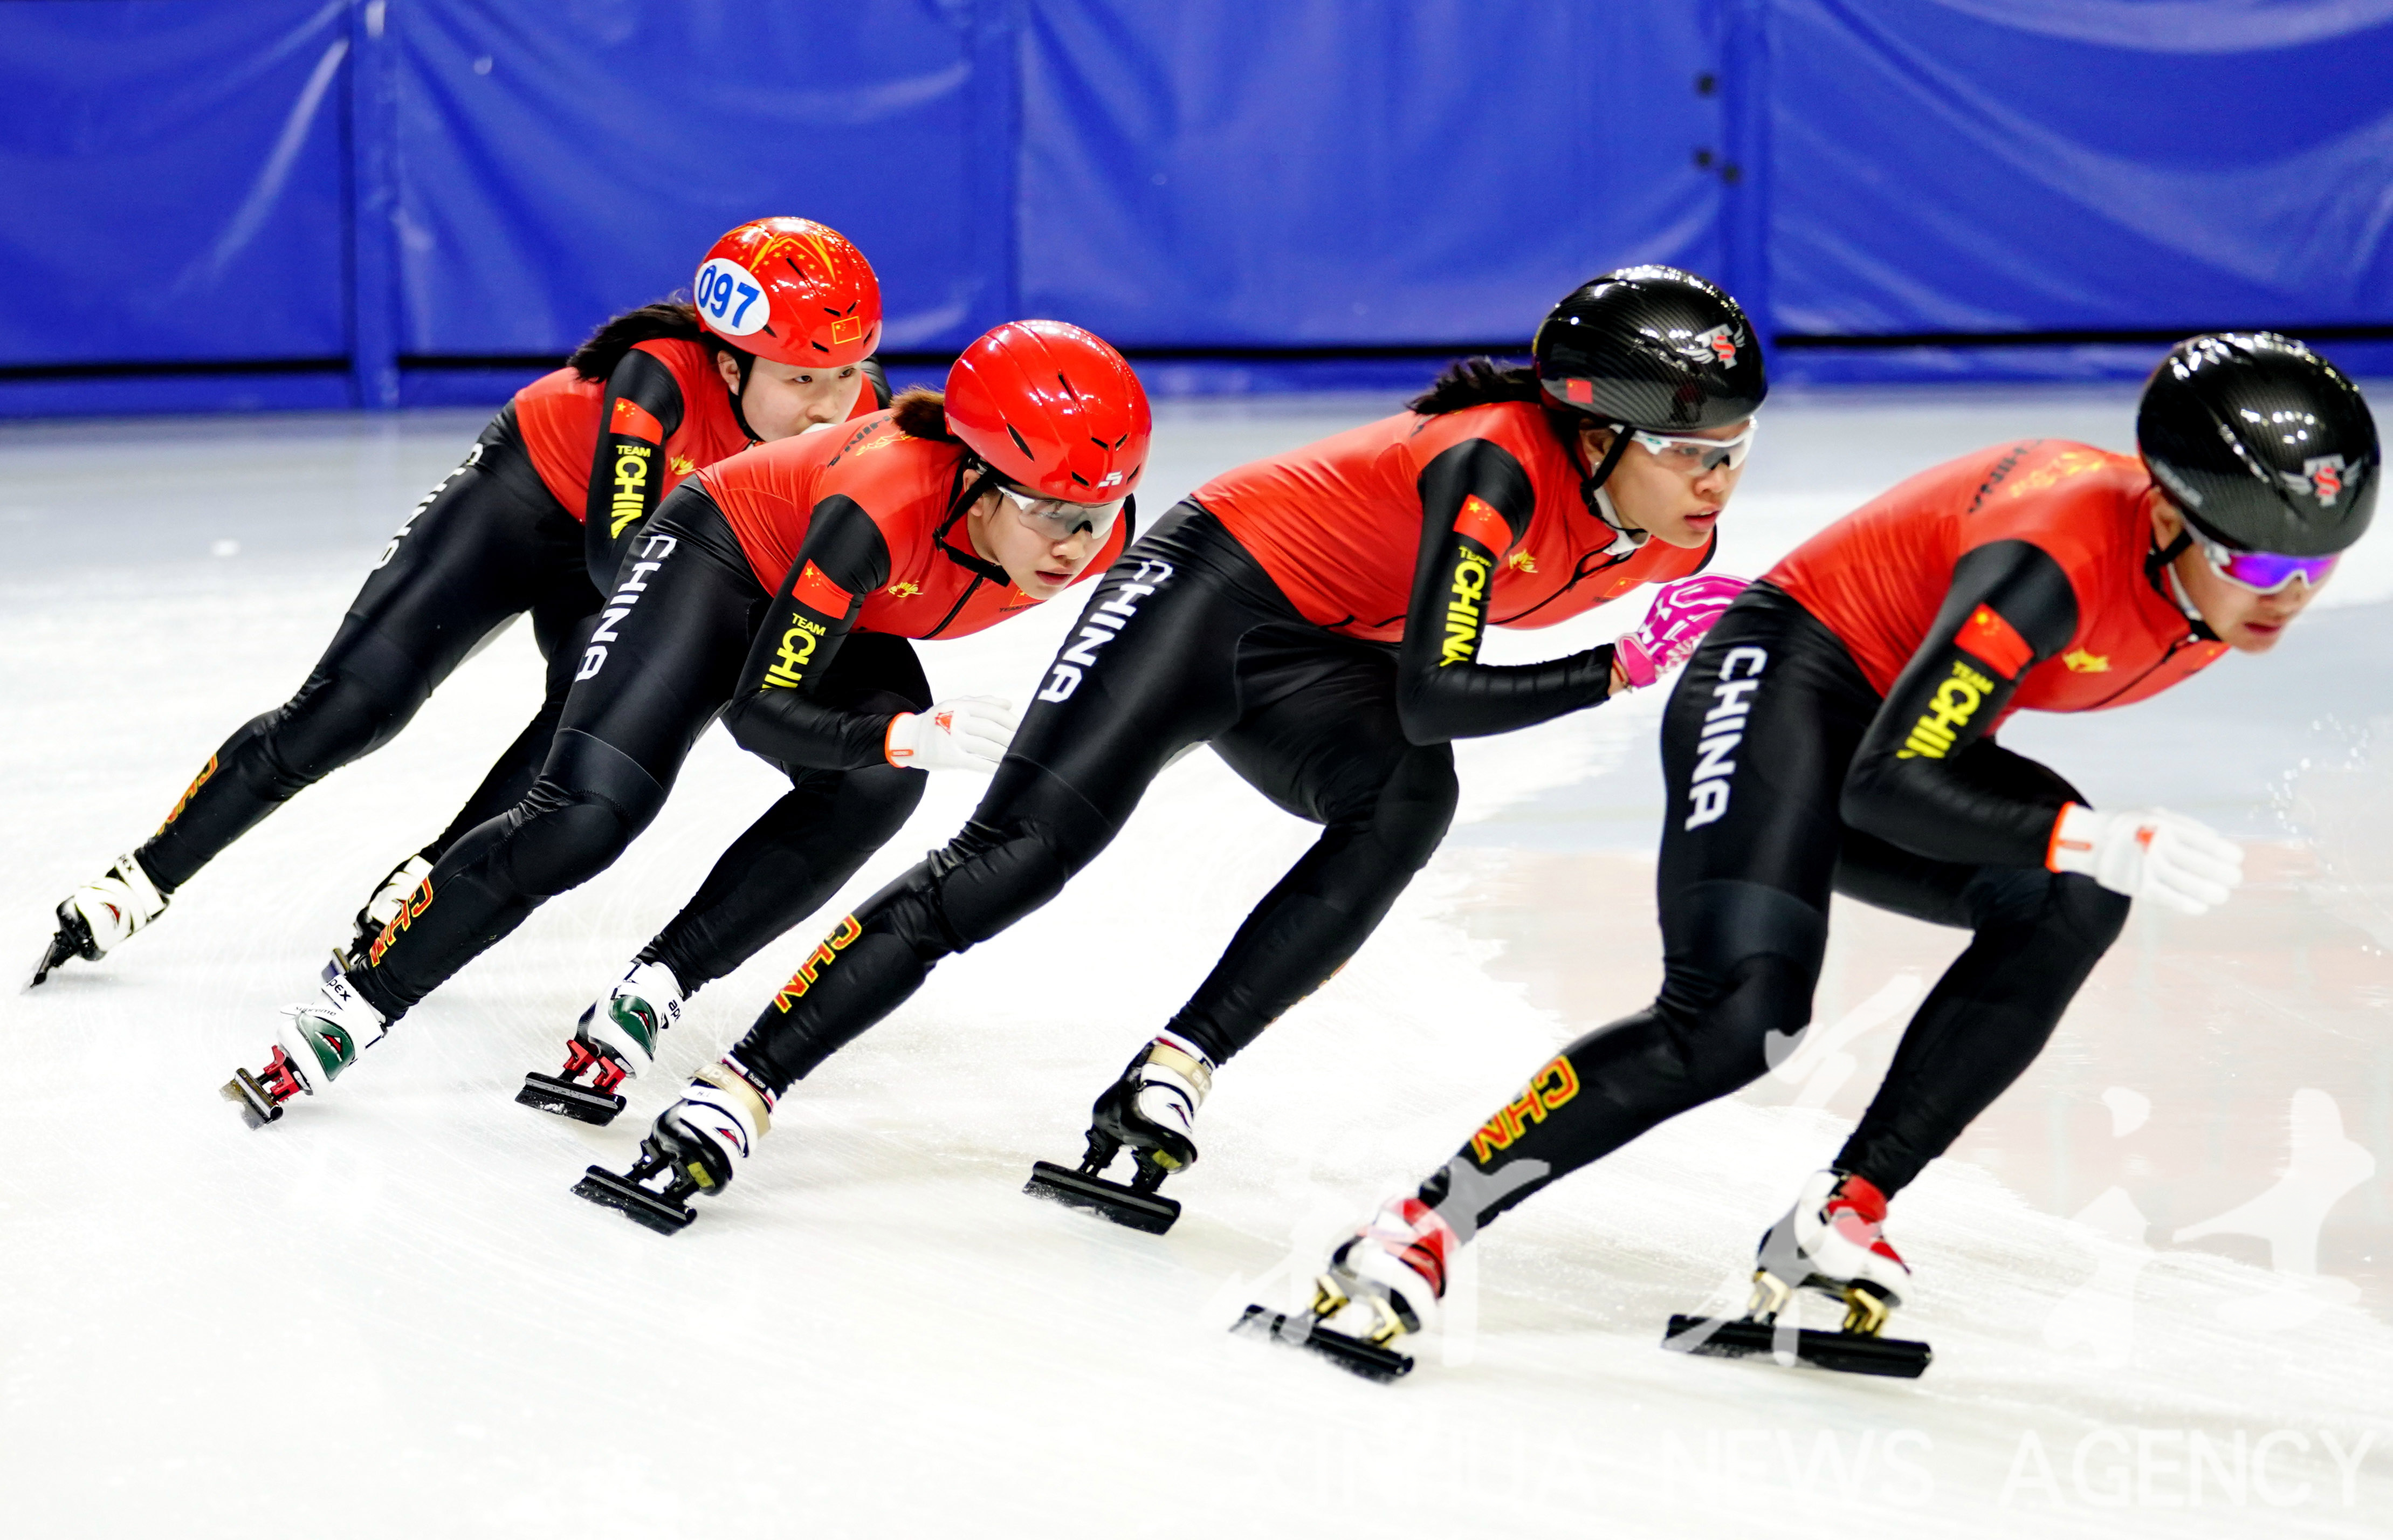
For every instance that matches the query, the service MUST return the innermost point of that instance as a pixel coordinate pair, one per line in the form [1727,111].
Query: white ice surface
[384,1315]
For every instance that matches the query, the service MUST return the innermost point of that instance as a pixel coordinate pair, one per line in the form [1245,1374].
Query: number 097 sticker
[731,298]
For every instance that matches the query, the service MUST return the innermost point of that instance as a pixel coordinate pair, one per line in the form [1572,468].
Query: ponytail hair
[596,358]
[923,413]
[1476,383]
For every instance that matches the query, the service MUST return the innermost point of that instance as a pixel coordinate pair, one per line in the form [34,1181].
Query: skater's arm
[773,711]
[1475,505]
[641,411]
[2010,607]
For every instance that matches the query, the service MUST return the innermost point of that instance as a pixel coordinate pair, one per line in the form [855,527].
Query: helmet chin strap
[747,362]
[970,560]
[1592,491]
[2160,573]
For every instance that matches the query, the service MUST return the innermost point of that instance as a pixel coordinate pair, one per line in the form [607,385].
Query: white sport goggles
[1059,520]
[1690,456]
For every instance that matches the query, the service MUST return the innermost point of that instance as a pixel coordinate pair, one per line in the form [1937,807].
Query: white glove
[2163,857]
[968,732]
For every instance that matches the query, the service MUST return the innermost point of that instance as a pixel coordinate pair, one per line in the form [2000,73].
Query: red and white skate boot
[615,1040]
[1382,1284]
[315,1043]
[1833,1241]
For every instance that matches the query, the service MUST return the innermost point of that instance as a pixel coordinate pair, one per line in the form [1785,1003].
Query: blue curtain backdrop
[247,202]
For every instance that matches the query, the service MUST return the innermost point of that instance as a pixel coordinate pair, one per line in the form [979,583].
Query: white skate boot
[316,1042]
[614,1041]
[1152,1111]
[696,1145]
[96,918]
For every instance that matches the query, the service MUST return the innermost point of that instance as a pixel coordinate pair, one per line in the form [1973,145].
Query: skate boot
[696,1145]
[315,1043]
[1382,1284]
[1152,1110]
[96,918]
[1832,1242]
[616,1039]
[390,899]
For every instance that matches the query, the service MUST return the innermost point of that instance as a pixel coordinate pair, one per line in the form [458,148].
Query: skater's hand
[1684,611]
[968,732]
[2163,857]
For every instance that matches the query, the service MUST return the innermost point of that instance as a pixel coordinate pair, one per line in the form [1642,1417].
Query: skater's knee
[991,875]
[338,716]
[1757,1018]
[1741,961]
[875,802]
[2074,912]
[563,839]
[1417,806]
[2090,914]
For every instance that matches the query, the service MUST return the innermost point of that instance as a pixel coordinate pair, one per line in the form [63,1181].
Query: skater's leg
[1104,723]
[1754,744]
[2038,935]
[468,560]
[511,775]
[790,862]
[1327,748]
[627,728]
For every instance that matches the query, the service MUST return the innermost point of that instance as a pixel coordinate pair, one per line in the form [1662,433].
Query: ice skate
[1831,1243]
[96,918]
[696,1145]
[1152,1111]
[1382,1285]
[390,895]
[315,1043]
[616,1040]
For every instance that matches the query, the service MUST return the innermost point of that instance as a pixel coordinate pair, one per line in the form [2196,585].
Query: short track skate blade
[1111,1199]
[568,1099]
[59,948]
[257,1109]
[1381,1366]
[1844,1351]
[661,1214]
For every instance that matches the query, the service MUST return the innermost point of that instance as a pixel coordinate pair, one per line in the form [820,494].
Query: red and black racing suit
[1835,731]
[1316,617]
[534,520]
[857,528]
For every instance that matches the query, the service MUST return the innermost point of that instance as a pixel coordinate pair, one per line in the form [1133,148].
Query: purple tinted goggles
[2264,571]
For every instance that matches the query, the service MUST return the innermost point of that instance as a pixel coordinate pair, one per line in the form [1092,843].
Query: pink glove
[1684,608]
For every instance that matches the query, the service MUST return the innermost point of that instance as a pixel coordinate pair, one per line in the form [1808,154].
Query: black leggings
[486,545]
[1746,871]
[689,607]
[1186,641]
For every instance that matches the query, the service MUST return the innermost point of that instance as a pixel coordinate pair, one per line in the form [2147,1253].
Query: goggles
[1690,456]
[2262,571]
[1056,520]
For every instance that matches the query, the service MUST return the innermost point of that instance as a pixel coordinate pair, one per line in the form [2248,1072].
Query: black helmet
[2260,443]
[1651,347]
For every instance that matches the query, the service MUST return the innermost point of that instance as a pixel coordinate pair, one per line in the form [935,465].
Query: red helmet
[1051,408]
[790,291]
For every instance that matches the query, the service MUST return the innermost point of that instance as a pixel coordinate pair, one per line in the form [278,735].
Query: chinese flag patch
[1482,524]
[634,421]
[1989,638]
[821,595]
